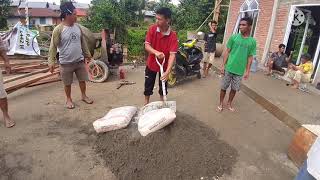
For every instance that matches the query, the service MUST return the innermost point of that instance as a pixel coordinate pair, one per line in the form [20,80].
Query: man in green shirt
[237,61]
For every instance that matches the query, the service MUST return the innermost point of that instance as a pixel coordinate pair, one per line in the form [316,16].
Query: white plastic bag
[115,119]
[155,120]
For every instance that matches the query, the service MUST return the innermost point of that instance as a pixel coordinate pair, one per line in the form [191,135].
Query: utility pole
[217,6]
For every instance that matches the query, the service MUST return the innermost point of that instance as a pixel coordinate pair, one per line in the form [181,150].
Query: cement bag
[155,120]
[157,105]
[115,119]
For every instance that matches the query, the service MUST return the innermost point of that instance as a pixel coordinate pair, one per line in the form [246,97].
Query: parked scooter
[187,62]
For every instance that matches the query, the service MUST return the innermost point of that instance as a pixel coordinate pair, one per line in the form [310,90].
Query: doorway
[303,35]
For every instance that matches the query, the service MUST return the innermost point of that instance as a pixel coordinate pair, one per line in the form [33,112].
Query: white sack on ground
[115,119]
[155,120]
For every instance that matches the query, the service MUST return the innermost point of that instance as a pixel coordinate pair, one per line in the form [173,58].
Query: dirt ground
[51,142]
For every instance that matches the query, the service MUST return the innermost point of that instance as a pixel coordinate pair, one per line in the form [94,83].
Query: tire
[172,80]
[199,75]
[98,71]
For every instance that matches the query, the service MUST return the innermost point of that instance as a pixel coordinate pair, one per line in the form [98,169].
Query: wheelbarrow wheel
[172,79]
[98,71]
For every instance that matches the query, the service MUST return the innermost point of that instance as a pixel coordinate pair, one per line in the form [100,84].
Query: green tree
[4,13]
[191,14]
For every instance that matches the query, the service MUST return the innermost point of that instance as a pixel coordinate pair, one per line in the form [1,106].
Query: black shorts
[149,81]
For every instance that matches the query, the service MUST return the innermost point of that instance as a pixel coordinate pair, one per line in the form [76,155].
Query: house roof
[36,12]
[81,5]
[81,12]
[39,5]
[15,3]
[22,4]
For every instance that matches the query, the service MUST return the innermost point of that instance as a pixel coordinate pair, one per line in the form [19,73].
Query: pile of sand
[186,149]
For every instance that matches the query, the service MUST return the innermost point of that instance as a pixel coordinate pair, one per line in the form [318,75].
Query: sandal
[10,124]
[219,108]
[70,106]
[231,108]
[87,100]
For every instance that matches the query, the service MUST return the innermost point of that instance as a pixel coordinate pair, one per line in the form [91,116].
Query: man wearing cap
[301,73]
[67,37]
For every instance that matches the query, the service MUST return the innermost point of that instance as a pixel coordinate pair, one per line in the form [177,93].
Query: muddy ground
[51,142]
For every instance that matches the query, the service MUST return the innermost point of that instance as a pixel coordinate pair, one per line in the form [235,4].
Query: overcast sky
[80,1]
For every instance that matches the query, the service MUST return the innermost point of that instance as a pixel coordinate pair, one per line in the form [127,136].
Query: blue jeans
[304,174]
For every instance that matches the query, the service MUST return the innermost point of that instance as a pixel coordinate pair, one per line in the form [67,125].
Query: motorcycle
[187,63]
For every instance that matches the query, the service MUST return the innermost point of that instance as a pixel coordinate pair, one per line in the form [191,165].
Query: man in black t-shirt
[210,47]
[278,61]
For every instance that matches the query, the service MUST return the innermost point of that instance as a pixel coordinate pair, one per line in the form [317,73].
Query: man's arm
[85,48]
[226,53]
[225,60]
[171,60]
[288,59]
[55,39]
[150,50]
[249,62]
[172,57]
[251,54]
[6,61]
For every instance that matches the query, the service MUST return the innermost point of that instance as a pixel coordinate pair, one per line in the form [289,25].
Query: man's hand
[291,52]
[222,70]
[165,76]
[246,75]
[87,60]
[51,68]
[159,55]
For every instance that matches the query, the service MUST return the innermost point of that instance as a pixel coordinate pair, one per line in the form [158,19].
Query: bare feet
[8,122]
[87,100]
[294,86]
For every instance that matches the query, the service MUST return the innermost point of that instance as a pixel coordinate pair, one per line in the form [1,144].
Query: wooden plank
[29,67]
[18,84]
[23,68]
[22,63]
[45,81]
[300,145]
[25,75]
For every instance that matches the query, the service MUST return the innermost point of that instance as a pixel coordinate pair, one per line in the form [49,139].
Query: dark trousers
[149,81]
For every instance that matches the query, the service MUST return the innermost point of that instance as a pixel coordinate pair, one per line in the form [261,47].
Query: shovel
[160,104]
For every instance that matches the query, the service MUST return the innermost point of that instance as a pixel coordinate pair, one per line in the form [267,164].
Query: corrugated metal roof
[40,5]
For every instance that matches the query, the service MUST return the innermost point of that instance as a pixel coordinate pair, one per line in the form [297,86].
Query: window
[42,20]
[249,8]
